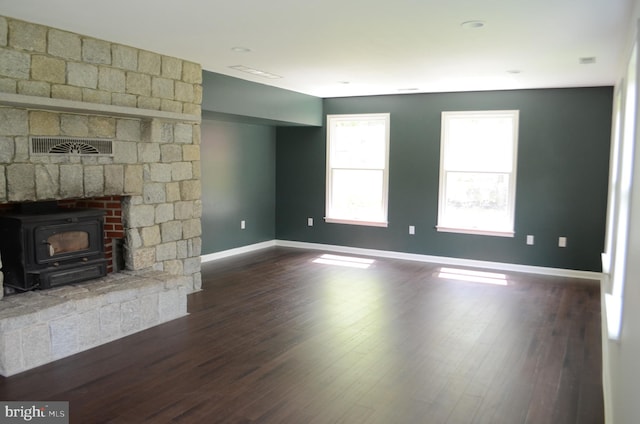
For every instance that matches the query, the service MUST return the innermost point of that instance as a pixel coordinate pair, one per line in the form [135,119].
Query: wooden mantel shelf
[73,106]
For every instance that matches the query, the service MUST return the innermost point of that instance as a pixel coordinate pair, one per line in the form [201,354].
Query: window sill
[356,222]
[475,231]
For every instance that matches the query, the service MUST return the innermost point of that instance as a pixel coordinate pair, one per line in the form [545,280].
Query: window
[478,172]
[357,169]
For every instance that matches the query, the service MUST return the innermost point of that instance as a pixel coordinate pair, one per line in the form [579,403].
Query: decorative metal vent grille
[71,146]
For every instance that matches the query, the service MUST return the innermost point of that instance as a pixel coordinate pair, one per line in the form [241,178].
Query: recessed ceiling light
[344,82]
[472,24]
[408,89]
[240,49]
[514,71]
[253,71]
[587,60]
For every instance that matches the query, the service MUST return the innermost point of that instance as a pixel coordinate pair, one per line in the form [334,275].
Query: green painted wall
[238,183]
[228,98]
[563,161]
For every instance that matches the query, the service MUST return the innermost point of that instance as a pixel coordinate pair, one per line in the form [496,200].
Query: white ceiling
[331,48]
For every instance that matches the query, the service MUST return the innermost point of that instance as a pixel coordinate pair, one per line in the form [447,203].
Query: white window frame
[330,215]
[443,225]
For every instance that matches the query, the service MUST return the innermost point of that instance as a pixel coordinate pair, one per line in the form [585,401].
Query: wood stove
[43,246]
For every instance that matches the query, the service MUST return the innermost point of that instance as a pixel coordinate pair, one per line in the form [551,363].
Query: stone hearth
[55,83]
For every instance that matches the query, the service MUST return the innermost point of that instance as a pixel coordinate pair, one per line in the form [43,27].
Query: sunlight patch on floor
[473,276]
[348,261]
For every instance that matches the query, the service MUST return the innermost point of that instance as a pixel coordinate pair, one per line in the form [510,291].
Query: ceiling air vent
[71,146]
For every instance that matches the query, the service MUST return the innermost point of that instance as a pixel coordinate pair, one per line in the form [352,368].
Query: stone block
[124,57]
[71,181]
[3,190]
[164,213]
[64,44]
[149,62]
[194,247]
[64,336]
[134,239]
[170,106]
[22,148]
[197,208]
[133,181]
[183,249]
[171,67]
[7,150]
[96,51]
[143,258]
[96,96]
[197,281]
[141,216]
[113,179]
[11,357]
[102,127]
[183,133]
[190,190]
[191,152]
[27,36]
[74,125]
[4,30]
[171,153]
[149,152]
[162,87]
[93,181]
[82,75]
[131,316]
[125,152]
[197,174]
[181,171]
[191,73]
[88,329]
[128,130]
[149,309]
[49,69]
[109,321]
[192,265]
[184,210]
[21,182]
[171,231]
[121,99]
[166,251]
[192,109]
[44,123]
[173,192]
[13,121]
[173,267]
[8,85]
[170,305]
[197,94]
[147,102]
[166,134]
[150,236]
[197,132]
[66,92]
[184,92]
[139,84]
[160,172]
[34,88]
[36,345]
[154,193]
[191,228]
[47,177]
[14,64]
[112,80]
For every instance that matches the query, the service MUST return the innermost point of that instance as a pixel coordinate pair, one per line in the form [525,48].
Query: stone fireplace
[147,107]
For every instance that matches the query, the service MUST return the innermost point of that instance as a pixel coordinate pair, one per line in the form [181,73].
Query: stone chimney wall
[57,83]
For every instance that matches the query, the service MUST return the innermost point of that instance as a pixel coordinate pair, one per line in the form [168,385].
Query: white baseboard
[558,272]
[237,251]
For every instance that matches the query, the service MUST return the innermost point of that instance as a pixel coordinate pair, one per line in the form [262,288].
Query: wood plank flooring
[277,338]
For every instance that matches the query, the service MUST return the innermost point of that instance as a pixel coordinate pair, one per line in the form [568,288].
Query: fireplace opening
[49,244]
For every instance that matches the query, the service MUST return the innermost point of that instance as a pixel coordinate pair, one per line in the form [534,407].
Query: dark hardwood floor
[277,338]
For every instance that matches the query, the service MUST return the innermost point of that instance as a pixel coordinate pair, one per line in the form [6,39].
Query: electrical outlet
[243,224]
[310,222]
[562,242]
[412,229]
[530,239]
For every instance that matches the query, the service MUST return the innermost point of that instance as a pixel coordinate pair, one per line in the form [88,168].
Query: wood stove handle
[51,249]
